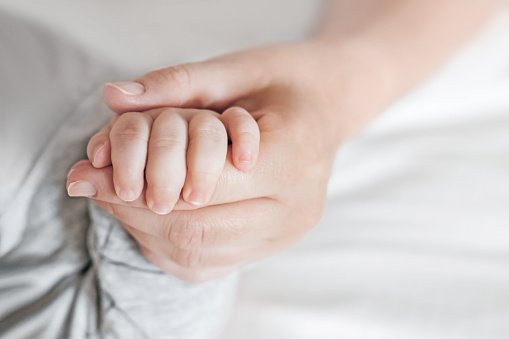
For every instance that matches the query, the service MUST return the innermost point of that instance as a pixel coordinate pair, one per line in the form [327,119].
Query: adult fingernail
[81,189]
[128,87]
[196,198]
[246,157]
[127,195]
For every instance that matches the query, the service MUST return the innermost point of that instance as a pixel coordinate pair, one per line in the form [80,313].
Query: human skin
[191,144]
[308,98]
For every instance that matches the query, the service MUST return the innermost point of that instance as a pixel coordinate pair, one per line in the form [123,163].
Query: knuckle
[179,76]
[212,134]
[189,232]
[244,120]
[237,112]
[171,119]
[248,135]
[130,128]
[204,176]
[210,128]
[167,141]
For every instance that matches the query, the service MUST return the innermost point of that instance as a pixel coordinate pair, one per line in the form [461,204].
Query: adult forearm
[396,42]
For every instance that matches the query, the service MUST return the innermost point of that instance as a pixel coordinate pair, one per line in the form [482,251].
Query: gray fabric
[67,269]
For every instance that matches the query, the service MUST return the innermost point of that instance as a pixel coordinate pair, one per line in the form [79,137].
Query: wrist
[353,80]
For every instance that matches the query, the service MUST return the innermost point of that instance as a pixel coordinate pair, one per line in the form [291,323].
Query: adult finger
[196,258]
[191,260]
[210,84]
[208,227]
[206,154]
[194,275]
[129,139]
[166,164]
[245,136]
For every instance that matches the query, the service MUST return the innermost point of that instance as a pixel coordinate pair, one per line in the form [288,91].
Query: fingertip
[81,189]
[244,158]
[161,209]
[122,97]
[126,194]
[130,88]
[159,202]
[244,166]
[195,197]
[73,170]
[94,144]
[244,161]
[244,133]
[101,155]
[183,205]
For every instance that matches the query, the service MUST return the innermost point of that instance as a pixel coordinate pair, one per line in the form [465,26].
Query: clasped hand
[258,207]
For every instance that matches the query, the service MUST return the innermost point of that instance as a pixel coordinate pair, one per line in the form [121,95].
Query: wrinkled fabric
[67,268]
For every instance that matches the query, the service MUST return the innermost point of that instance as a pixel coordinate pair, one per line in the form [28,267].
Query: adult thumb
[212,84]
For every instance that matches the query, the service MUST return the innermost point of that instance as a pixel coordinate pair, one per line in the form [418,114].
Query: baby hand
[179,152]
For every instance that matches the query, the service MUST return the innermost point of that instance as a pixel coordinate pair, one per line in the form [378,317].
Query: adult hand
[307,98]
[303,112]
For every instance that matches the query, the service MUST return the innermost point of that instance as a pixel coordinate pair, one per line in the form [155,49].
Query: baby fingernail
[127,195]
[69,173]
[128,87]
[196,198]
[160,209]
[245,157]
[81,189]
[96,152]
